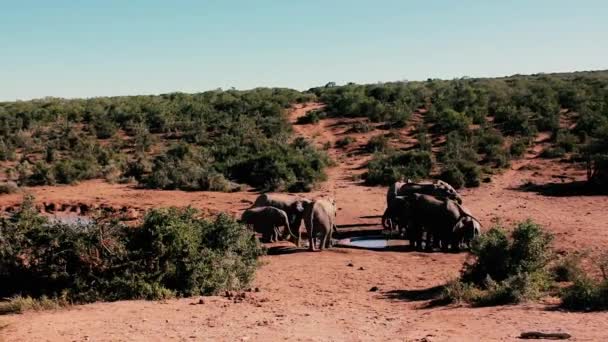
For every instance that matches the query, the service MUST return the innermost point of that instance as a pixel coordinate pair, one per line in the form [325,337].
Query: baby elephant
[267,220]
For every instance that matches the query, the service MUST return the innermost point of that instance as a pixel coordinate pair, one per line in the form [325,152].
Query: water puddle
[368,242]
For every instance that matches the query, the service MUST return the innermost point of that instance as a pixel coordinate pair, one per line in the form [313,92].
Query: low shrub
[385,169]
[505,270]
[518,148]
[553,152]
[568,268]
[361,127]
[172,253]
[453,176]
[343,142]
[8,188]
[378,143]
[311,117]
[587,293]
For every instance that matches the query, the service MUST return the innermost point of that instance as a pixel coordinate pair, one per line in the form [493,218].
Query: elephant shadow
[565,189]
[431,295]
[281,250]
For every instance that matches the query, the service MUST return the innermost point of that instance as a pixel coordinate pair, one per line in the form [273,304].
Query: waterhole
[368,242]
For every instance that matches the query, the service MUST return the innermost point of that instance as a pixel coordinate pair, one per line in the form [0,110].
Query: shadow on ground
[576,188]
[431,296]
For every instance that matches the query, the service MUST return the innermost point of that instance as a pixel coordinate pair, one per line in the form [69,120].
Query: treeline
[487,121]
[209,141]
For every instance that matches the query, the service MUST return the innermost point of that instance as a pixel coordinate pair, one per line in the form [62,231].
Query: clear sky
[71,48]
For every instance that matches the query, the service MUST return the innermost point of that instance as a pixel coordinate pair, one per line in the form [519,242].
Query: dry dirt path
[318,296]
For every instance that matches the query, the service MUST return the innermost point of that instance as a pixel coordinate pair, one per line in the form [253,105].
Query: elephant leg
[311,239]
[277,233]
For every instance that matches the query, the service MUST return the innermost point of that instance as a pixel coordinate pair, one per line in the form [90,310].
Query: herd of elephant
[429,213]
[433,211]
[270,212]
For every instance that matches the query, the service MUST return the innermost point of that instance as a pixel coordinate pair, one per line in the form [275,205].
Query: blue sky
[117,47]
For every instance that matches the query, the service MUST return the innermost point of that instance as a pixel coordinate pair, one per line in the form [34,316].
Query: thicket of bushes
[510,109]
[506,270]
[172,253]
[187,141]
[386,168]
[512,269]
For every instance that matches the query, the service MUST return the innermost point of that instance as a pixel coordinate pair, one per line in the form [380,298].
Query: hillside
[332,300]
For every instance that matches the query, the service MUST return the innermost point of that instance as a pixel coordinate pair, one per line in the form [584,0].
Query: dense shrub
[8,188]
[343,142]
[586,293]
[385,169]
[378,143]
[505,270]
[311,117]
[172,253]
[518,148]
[553,152]
[227,130]
[361,127]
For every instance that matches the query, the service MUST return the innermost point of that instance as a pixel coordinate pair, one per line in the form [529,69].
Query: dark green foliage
[518,148]
[586,293]
[506,270]
[361,127]
[172,253]
[449,120]
[224,131]
[343,142]
[553,152]
[8,188]
[311,117]
[378,143]
[453,176]
[385,169]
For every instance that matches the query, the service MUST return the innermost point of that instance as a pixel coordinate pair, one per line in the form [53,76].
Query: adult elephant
[439,189]
[443,220]
[399,214]
[293,206]
[267,220]
[320,216]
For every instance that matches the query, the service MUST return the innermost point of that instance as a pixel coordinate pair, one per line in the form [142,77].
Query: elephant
[266,220]
[320,216]
[399,213]
[293,206]
[438,189]
[443,220]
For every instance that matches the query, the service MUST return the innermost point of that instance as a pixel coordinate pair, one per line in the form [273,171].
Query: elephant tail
[287,225]
[386,220]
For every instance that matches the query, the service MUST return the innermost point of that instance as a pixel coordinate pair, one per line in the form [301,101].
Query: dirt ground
[326,296]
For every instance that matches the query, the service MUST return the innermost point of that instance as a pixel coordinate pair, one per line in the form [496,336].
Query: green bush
[8,188]
[311,117]
[450,120]
[505,270]
[586,293]
[361,127]
[518,148]
[566,141]
[343,142]
[385,169]
[553,152]
[453,176]
[378,143]
[172,253]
